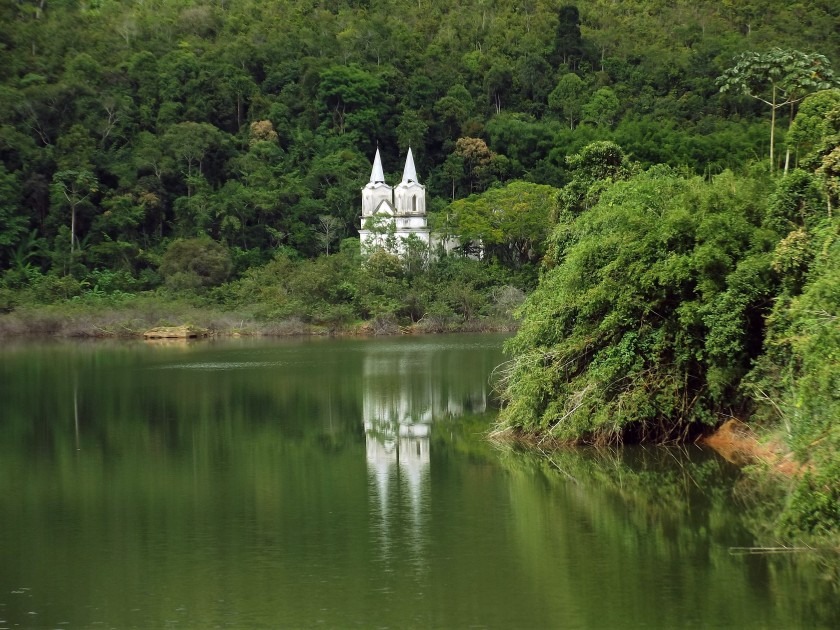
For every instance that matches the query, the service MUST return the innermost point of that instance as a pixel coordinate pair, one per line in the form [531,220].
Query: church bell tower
[377,191]
[387,211]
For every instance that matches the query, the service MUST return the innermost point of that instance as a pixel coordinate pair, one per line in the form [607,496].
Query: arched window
[414,203]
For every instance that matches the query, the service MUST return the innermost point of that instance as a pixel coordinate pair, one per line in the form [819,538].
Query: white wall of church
[373,196]
[411,199]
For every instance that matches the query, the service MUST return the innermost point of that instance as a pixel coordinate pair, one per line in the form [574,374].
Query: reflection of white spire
[410,173]
[381,456]
[414,462]
[377,175]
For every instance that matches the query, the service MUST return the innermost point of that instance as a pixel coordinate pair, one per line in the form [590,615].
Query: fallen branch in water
[745,551]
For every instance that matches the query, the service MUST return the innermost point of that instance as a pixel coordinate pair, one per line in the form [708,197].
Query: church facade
[391,214]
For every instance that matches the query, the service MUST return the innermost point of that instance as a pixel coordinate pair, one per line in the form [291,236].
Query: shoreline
[733,440]
[76,321]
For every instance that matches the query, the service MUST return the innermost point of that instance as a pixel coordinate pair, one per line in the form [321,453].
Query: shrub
[650,315]
[195,263]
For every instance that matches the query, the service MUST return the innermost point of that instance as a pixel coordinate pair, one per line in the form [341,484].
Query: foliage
[778,78]
[799,379]
[249,124]
[195,263]
[813,123]
[441,293]
[508,224]
[650,315]
[597,165]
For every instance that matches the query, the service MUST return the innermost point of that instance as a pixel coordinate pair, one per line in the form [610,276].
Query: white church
[390,214]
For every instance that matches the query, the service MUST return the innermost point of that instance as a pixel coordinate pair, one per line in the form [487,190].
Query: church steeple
[410,173]
[410,195]
[377,175]
[377,195]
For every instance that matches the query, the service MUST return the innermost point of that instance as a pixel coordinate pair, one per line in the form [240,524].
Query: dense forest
[126,125]
[658,177]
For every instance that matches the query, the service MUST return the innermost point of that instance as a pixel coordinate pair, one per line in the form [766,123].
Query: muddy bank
[738,443]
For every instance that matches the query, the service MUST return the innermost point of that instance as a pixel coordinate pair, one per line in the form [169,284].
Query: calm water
[348,484]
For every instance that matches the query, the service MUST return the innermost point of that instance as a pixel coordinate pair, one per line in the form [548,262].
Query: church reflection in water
[408,389]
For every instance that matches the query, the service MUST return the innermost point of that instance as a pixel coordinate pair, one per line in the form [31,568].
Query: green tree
[498,83]
[454,109]
[568,43]
[778,78]
[351,96]
[509,224]
[536,79]
[817,120]
[648,320]
[73,189]
[596,166]
[195,263]
[567,99]
[602,108]
[190,143]
[452,171]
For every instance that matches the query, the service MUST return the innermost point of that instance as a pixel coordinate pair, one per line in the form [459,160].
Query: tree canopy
[247,123]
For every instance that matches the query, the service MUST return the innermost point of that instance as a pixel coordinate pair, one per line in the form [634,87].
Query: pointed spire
[410,173]
[377,175]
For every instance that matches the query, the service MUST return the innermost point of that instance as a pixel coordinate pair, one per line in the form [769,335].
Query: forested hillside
[128,124]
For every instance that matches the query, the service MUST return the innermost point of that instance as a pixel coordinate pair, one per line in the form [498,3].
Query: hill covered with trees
[126,125]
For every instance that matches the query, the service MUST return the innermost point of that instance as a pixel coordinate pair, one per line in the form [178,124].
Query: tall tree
[602,108]
[190,143]
[510,223]
[568,45]
[778,78]
[352,98]
[567,98]
[329,228]
[72,189]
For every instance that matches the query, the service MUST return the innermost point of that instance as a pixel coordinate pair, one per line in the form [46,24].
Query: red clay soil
[736,442]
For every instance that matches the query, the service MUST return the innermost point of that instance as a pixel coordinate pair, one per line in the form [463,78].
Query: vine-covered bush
[651,314]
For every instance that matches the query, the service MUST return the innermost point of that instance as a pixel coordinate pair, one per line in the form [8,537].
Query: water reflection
[402,399]
[346,483]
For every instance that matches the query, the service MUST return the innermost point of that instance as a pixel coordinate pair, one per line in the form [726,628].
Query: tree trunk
[772,129]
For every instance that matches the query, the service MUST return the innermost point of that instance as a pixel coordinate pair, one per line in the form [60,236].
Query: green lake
[349,483]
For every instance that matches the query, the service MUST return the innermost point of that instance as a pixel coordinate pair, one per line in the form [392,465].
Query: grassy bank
[343,293]
[140,313]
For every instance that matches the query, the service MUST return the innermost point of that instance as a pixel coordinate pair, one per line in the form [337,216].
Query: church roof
[377,175]
[410,173]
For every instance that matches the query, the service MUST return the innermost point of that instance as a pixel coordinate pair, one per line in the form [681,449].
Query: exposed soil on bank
[734,440]
[737,443]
